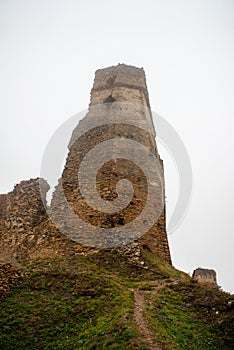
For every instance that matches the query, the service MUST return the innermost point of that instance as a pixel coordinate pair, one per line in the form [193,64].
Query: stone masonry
[205,277]
[119,96]
[118,92]
[21,210]
[25,228]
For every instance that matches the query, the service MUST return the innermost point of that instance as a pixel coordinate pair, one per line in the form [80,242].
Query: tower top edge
[121,74]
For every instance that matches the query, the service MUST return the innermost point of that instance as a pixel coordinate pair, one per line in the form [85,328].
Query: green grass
[76,302]
[188,316]
[66,304]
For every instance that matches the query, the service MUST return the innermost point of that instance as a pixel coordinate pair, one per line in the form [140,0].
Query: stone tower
[111,192]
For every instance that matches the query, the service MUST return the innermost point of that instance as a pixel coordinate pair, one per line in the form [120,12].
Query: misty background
[49,51]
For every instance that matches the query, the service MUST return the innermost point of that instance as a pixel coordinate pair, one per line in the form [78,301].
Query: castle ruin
[119,96]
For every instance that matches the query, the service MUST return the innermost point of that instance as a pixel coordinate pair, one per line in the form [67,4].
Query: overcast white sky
[49,51]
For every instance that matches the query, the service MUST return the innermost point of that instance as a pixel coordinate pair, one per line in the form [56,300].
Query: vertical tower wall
[115,89]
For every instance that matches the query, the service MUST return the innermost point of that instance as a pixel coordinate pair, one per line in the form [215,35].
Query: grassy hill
[102,301]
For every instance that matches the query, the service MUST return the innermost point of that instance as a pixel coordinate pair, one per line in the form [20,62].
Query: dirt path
[148,337]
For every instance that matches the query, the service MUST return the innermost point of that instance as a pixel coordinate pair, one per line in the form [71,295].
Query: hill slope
[101,301]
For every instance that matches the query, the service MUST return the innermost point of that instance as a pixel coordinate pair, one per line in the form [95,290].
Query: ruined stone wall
[120,98]
[3,201]
[125,83]
[25,229]
[206,277]
[126,86]
[21,211]
[3,205]
[25,207]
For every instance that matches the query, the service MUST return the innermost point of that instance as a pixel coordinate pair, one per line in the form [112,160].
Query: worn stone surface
[119,96]
[8,278]
[25,228]
[205,276]
[25,208]
[22,211]
[3,205]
